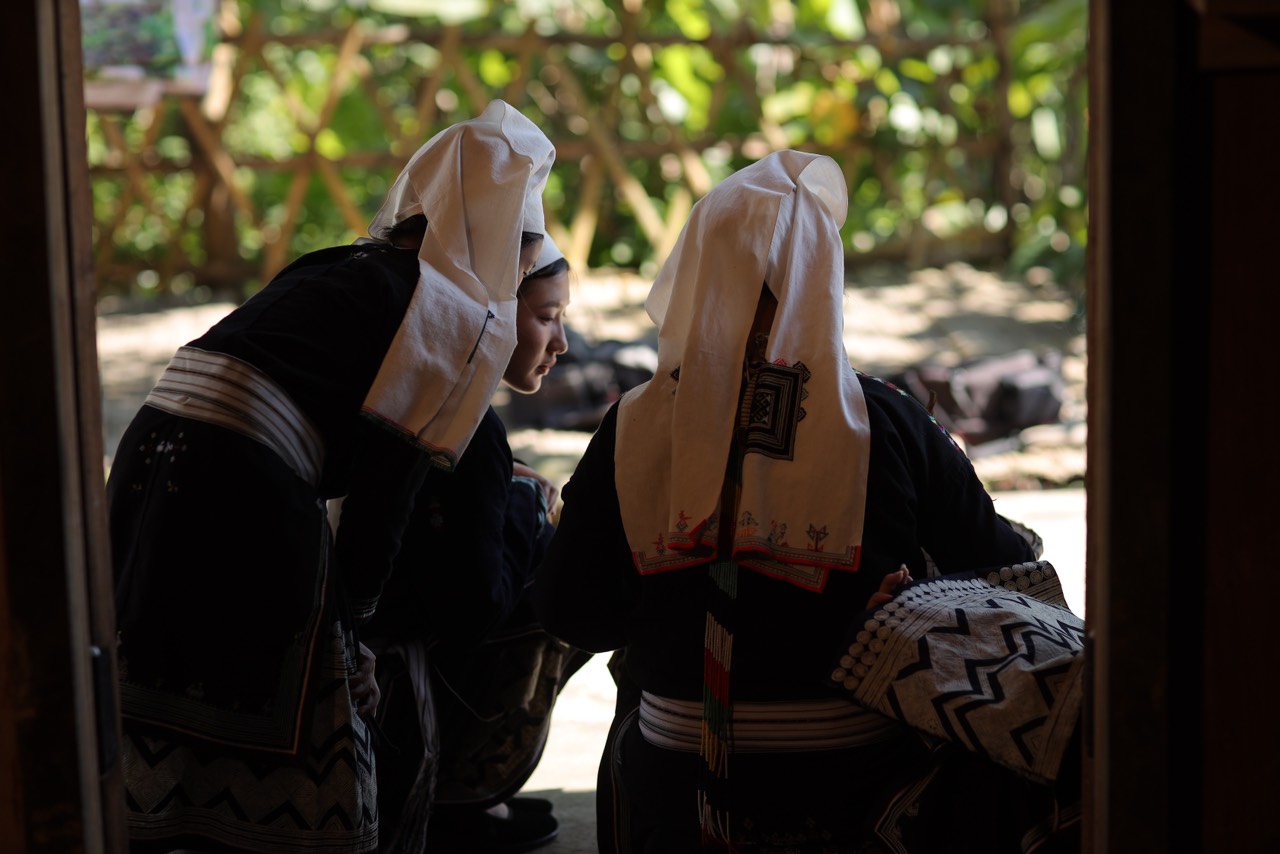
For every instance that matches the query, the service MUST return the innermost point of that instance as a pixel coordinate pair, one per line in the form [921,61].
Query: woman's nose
[559,341]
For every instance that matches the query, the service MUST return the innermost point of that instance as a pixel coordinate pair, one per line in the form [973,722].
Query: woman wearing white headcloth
[351,374]
[468,678]
[728,734]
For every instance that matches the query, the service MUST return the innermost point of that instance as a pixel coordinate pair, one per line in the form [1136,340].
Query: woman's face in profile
[540,336]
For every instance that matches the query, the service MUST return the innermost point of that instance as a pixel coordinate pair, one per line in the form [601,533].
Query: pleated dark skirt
[239,730]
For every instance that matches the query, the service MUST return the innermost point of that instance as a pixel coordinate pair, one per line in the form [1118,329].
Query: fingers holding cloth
[890,586]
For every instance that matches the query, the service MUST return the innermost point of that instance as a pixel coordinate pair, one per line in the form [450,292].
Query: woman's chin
[525,385]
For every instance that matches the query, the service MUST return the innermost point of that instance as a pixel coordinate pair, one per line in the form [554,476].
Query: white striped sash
[222,390]
[765,727]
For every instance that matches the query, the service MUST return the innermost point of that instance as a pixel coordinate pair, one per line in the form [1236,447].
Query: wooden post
[59,734]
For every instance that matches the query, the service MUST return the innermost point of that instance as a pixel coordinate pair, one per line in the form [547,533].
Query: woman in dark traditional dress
[730,520]
[468,677]
[352,373]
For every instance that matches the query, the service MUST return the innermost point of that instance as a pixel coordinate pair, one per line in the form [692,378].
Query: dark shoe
[482,832]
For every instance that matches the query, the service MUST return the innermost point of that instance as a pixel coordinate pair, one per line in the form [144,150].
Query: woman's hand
[549,489]
[363,685]
[889,586]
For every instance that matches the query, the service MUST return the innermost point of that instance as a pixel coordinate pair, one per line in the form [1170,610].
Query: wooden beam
[60,787]
[212,148]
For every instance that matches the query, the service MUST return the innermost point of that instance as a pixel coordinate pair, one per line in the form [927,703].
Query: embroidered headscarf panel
[480,185]
[802,497]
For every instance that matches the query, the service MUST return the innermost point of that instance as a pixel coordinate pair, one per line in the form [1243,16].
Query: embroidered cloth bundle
[994,663]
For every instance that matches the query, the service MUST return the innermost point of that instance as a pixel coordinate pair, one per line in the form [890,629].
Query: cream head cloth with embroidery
[480,185]
[806,438]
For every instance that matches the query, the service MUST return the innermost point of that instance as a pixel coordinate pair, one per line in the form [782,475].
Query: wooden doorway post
[58,726]
[1183,297]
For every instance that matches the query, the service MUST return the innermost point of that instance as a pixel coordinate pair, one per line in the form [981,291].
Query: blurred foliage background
[960,125]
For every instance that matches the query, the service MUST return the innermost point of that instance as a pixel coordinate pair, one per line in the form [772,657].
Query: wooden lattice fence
[302,130]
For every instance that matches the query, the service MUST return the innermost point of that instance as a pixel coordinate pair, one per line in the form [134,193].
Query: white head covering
[549,255]
[480,185]
[804,473]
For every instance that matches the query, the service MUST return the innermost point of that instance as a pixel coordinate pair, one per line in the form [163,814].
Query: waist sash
[222,390]
[767,727]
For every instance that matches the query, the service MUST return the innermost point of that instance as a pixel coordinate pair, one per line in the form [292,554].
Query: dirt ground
[893,320]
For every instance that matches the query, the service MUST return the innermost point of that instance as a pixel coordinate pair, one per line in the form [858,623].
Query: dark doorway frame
[1183,295]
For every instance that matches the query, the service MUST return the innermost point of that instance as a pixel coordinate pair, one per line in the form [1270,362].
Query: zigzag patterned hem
[323,802]
[201,827]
